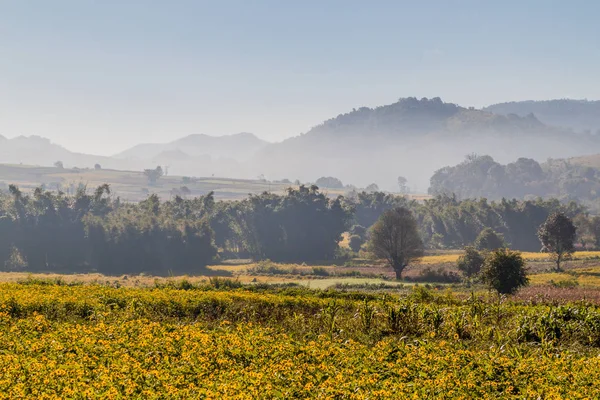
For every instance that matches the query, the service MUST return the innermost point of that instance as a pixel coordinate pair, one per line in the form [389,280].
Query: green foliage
[304,225]
[53,232]
[557,235]
[395,238]
[329,182]
[471,262]
[355,243]
[369,206]
[446,222]
[359,230]
[481,176]
[153,175]
[488,239]
[504,271]
[438,275]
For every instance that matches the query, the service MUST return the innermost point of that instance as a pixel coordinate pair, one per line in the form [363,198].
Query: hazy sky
[99,76]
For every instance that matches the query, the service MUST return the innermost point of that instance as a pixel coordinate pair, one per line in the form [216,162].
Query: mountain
[194,155]
[413,138]
[580,115]
[36,150]
[238,147]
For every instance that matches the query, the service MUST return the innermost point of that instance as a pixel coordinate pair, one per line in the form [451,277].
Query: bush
[488,239]
[439,275]
[471,262]
[320,271]
[504,271]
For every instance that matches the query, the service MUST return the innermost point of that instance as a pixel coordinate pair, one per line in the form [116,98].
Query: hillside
[36,150]
[579,115]
[482,176]
[410,138]
[238,147]
[195,155]
[592,160]
[413,138]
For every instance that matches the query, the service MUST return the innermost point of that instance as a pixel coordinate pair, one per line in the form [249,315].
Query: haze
[99,77]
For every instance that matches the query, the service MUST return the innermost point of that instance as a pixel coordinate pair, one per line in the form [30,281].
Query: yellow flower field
[101,342]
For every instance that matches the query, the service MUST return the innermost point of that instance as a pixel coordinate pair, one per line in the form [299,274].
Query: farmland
[131,185]
[218,340]
[261,298]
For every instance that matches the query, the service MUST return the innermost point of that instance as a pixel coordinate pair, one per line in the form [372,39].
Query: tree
[59,165]
[557,235]
[372,188]
[97,167]
[471,262]
[504,271]
[185,191]
[402,185]
[329,182]
[304,225]
[153,175]
[488,239]
[355,243]
[359,230]
[395,237]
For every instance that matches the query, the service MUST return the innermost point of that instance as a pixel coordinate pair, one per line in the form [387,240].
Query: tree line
[481,176]
[53,231]
[94,231]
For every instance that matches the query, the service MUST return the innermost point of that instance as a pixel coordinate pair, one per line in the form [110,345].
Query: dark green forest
[94,231]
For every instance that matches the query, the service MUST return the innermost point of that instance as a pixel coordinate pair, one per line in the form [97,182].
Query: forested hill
[482,176]
[413,138]
[580,115]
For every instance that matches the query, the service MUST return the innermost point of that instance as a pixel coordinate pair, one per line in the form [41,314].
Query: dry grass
[529,256]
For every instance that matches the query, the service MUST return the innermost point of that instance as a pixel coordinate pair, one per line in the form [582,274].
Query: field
[133,185]
[267,330]
[218,340]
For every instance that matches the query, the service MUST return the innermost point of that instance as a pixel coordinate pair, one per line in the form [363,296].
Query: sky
[101,76]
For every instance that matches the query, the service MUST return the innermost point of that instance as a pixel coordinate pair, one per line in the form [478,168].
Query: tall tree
[557,235]
[395,237]
[153,175]
[403,185]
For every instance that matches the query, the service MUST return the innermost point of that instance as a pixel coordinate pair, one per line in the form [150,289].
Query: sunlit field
[530,256]
[184,340]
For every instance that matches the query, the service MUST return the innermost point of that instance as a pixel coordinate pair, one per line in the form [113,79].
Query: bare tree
[395,237]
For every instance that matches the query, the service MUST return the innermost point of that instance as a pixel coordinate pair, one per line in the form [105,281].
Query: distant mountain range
[195,155]
[413,138]
[36,150]
[410,138]
[238,147]
[579,115]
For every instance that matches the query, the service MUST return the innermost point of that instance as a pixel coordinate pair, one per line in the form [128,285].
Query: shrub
[488,239]
[438,275]
[504,271]
[471,262]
